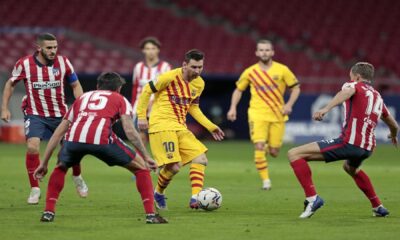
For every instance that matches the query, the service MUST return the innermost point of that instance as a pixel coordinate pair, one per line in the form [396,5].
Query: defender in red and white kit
[146,71]
[363,107]
[45,75]
[88,130]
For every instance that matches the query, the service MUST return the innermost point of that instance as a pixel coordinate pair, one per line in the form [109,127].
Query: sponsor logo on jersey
[179,100]
[46,85]
[266,88]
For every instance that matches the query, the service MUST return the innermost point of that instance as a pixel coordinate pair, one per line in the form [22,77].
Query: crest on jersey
[275,77]
[193,93]
[56,71]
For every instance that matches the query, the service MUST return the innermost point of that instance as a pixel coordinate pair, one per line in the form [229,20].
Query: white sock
[311,199]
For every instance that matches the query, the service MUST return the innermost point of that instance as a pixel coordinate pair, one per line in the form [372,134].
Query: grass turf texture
[113,209]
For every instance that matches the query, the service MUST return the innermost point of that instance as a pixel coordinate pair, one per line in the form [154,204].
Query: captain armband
[152,87]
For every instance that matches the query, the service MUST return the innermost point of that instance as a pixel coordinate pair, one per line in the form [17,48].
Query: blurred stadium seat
[363,30]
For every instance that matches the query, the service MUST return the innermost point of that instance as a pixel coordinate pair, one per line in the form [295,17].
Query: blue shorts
[41,127]
[117,153]
[336,149]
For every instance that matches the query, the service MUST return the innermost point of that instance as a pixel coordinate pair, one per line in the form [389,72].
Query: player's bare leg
[196,175]
[364,184]
[32,161]
[145,187]
[165,175]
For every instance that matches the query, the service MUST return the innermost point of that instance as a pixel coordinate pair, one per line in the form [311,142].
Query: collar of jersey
[39,63]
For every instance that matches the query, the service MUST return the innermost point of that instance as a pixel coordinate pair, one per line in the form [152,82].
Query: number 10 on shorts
[169,146]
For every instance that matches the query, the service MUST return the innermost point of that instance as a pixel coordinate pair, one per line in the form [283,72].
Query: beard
[48,57]
[265,60]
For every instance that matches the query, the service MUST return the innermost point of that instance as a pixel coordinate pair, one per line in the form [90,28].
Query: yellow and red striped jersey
[173,99]
[267,89]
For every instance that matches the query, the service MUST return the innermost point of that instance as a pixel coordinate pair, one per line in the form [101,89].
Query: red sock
[56,185]
[363,183]
[303,174]
[32,161]
[76,170]
[145,188]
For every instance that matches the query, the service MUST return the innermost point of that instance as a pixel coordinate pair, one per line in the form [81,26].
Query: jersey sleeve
[125,108]
[349,85]
[70,74]
[289,78]
[18,72]
[167,67]
[243,81]
[135,84]
[70,114]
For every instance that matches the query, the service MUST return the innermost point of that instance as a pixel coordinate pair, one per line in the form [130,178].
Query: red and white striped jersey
[362,112]
[44,85]
[93,114]
[142,74]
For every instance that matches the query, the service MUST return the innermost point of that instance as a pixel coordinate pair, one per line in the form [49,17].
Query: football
[209,199]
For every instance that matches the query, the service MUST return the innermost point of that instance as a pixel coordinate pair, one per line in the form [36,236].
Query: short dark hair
[45,37]
[366,70]
[194,54]
[265,41]
[110,81]
[152,40]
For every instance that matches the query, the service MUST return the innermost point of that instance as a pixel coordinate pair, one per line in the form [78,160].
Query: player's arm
[55,139]
[389,120]
[143,104]
[339,98]
[236,96]
[77,89]
[198,115]
[294,95]
[134,137]
[7,93]
[73,80]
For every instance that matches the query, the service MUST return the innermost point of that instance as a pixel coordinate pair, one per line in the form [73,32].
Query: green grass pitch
[113,209]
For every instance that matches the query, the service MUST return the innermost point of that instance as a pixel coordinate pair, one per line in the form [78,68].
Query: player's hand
[218,134]
[5,115]
[286,110]
[40,172]
[151,164]
[143,124]
[393,139]
[231,115]
[319,115]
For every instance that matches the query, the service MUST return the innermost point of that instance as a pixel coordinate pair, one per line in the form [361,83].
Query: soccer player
[147,70]
[87,126]
[363,106]
[268,111]
[177,93]
[45,74]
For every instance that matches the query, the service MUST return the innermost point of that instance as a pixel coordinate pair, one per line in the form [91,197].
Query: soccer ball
[209,199]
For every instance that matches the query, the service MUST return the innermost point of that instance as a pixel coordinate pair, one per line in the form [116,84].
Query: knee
[274,152]
[292,155]
[259,146]
[173,167]
[348,169]
[33,147]
[201,160]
